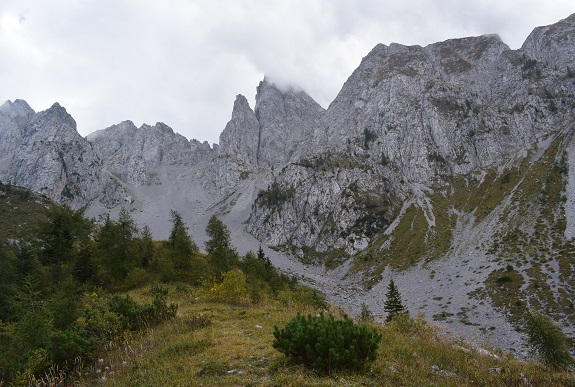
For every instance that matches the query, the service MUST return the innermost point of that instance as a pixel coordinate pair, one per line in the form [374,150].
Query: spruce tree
[393,305]
[181,244]
[146,246]
[219,248]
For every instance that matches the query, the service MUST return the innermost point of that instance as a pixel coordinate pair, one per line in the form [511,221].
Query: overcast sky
[182,62]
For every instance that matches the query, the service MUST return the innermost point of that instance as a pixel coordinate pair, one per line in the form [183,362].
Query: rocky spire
[286,118]
[240,137]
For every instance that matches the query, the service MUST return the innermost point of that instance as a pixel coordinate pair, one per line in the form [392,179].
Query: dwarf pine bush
[325,344]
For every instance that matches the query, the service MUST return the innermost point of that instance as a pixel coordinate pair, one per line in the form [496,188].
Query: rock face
[413,116]
[553,45]
[133,155]
[44,152]
[256,143]
[448,165]
[286,119]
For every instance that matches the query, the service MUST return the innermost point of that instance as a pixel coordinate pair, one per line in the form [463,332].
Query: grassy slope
[529,237]
[20,204]
[235,348]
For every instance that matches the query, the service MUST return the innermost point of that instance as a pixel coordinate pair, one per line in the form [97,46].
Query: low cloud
[183,62]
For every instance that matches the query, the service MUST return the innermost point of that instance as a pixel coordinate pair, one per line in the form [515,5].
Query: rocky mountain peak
[108,141]
[554,44]
[54,123]
[14,117]
[240,137]
[18,108]
[286,118]
[44,152]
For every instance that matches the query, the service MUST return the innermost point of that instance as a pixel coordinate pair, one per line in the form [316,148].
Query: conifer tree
[181,244]
[116,247]
[547,340]
[393,305]
[219,247]
[146,246]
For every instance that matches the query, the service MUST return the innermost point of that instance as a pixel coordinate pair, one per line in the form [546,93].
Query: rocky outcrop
[240,138]
[286,119]
[255,143]
[464,101]
[44,152]
[236,157]
[553,45]
[133,155]
[413,117]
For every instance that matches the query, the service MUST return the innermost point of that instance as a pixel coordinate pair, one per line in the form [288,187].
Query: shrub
[135,316]
[366,316]
[233,288]
[97,320]
[159,310]
[547,340]
[137,277]
[299,296]
[131,314]
[325,344]
[65,346]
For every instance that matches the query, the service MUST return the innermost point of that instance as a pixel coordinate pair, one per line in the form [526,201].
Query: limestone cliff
[44,152]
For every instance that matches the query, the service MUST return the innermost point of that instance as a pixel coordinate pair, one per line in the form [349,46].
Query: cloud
[183,62]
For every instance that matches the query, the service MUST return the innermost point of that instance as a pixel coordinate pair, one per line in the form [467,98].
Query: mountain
[44,152]
[448,168]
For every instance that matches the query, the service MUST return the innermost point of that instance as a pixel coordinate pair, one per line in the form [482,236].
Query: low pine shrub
[135,316]
[325,344]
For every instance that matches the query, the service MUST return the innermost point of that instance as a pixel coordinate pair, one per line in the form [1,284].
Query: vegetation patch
[325,344]
[412,242]
[24,205]
[331,258]
[376,210]
[275,195]
[504,289]
[537,238]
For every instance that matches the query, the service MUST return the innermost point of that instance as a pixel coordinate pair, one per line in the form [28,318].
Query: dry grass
[216,344]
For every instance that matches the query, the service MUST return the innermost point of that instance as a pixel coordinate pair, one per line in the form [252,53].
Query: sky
[182,62]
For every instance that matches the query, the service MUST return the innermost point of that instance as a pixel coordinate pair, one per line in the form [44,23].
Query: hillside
[21,210]
[228,345]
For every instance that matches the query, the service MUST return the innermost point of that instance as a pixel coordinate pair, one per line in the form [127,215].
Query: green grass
[330,259]
[233,346]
